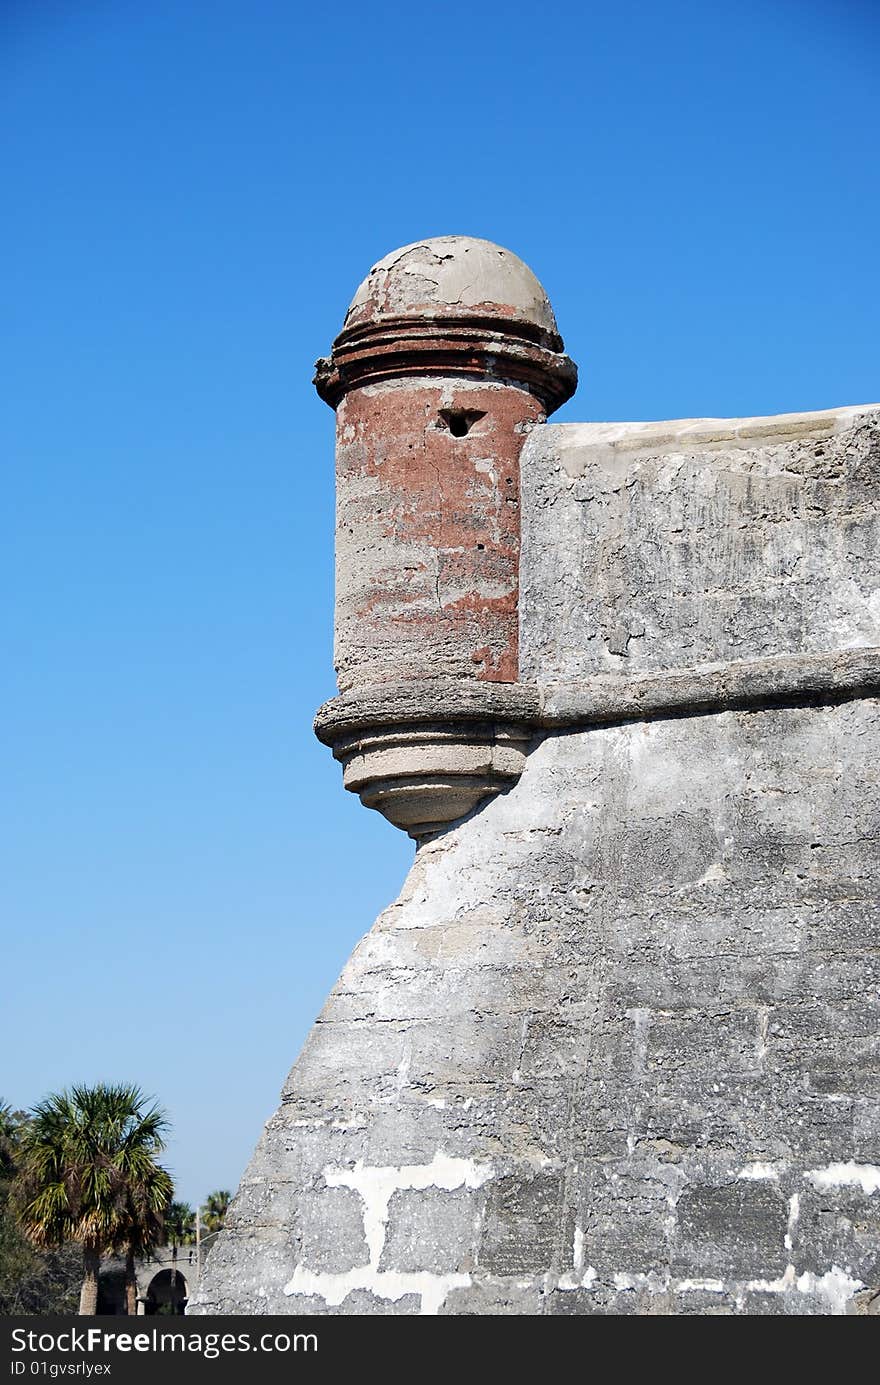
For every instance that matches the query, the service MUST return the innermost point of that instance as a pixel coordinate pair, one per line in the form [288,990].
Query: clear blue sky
[192,192]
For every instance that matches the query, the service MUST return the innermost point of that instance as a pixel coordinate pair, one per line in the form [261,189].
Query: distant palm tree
[87,1157]
[214,1211]
[9,1133]
[180,1230]
[180,1224]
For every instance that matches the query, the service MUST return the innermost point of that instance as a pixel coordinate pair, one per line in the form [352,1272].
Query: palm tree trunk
[88,1296]
[130,1284]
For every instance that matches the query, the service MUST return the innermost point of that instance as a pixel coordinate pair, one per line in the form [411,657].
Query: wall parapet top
[656,437]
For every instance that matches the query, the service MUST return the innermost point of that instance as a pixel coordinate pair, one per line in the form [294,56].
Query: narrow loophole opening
[459,422]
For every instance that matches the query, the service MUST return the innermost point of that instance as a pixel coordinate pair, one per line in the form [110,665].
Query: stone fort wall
[615,1049]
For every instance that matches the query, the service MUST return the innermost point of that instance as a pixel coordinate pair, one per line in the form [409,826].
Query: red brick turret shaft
[449,354]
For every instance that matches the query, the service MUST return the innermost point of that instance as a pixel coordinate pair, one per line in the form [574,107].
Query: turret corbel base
[426,754]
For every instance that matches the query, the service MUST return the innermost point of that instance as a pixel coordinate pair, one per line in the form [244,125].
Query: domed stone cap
[452,276]
[452,305]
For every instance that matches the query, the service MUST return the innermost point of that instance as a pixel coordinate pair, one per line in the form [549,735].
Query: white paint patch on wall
[569,1281]
[758,1172]
[781,1285]
[835,1286]
[794,1211]
[849,1175]
[577,1255]
[578,1277]
[376,1185]
[663,1283]
[335,1288]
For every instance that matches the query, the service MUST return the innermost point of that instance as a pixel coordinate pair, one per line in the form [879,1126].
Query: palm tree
[85,1154]
[180,1222]
[146,1206]
[214,1210]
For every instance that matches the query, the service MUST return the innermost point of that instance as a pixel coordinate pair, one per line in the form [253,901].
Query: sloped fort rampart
[615,1049]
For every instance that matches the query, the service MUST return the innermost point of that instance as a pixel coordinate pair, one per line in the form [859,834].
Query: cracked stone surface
[614,1050]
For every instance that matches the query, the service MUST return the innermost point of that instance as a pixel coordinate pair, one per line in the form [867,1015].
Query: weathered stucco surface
[614,1050]
[427,532]
[447,275]
[616,1047]
[663,545]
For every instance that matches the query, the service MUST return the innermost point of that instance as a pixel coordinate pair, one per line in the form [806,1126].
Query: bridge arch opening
[167,1294]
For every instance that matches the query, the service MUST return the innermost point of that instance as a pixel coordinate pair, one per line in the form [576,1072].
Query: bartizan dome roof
[449,276]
